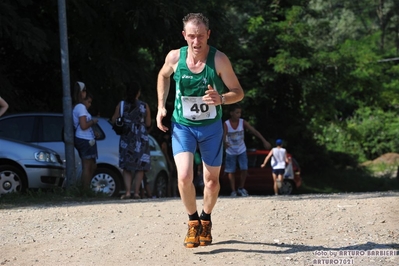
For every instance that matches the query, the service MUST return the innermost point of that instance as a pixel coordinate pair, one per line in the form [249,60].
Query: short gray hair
[196,18]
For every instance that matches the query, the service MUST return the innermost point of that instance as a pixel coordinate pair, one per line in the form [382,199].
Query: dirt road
[336,229]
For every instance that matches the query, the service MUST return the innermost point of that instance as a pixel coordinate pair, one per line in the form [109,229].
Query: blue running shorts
[208,138]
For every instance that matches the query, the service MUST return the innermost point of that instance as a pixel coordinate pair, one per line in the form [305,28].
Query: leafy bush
[367,135]
[378,131]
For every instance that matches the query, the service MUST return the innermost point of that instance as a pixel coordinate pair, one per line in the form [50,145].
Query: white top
[235,138]
[278,158]
[78,111]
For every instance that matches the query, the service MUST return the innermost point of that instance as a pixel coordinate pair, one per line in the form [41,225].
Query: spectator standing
[134,147]
[201,73]
[84,140]
[3,106]
[236,150]
[279,161]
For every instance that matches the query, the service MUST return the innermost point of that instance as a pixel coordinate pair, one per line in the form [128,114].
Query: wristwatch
[222,99]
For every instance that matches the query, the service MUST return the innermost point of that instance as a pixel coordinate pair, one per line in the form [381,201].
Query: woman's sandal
[136,196]
[125,197]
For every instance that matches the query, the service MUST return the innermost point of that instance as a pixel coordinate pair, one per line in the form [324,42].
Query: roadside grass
[362,179]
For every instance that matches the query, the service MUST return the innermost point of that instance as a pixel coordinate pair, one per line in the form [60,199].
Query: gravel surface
[334,229]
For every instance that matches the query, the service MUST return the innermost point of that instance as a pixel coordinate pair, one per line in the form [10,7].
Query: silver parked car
[24,165]
[46,129]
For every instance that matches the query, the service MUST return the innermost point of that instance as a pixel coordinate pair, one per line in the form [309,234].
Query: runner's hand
[212,97]
[160,115]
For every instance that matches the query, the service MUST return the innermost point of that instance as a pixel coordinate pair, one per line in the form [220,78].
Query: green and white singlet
[190,110]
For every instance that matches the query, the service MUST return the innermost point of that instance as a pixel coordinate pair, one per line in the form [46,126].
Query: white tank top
[278,158]
[235,138]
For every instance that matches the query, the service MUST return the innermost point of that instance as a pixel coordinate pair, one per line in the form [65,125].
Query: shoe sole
[191,245]
[205,243]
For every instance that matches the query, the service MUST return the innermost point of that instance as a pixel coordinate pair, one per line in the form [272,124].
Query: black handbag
[119,125]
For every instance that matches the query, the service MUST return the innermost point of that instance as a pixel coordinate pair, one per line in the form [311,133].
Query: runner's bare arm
[227,74]
[163,85]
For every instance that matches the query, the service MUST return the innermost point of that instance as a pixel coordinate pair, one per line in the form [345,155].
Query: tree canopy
[309,68]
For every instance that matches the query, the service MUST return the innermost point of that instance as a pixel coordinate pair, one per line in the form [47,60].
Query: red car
[260,180]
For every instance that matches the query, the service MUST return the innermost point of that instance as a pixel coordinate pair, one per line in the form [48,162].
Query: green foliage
[390,93]
[106,41]
[337,138]
[378,130]
[368,134]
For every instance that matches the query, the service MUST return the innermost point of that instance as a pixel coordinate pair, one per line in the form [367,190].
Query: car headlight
[43,156]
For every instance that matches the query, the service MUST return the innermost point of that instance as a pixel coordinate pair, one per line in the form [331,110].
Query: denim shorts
[231,162]
[279,171]
[85,150]
[208,139]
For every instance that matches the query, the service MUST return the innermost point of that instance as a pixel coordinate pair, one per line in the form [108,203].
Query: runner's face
[196,36]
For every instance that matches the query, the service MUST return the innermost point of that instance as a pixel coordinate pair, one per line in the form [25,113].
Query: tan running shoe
[206,236]
[193,234]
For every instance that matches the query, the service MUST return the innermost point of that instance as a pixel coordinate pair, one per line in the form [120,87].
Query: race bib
[195,109]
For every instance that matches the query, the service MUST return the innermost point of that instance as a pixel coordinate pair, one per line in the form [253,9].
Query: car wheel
[106,181]
[12,179]
[161,186]
[287,187]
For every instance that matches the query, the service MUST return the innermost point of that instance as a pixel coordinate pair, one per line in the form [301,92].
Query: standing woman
[134,148]
[84,139]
